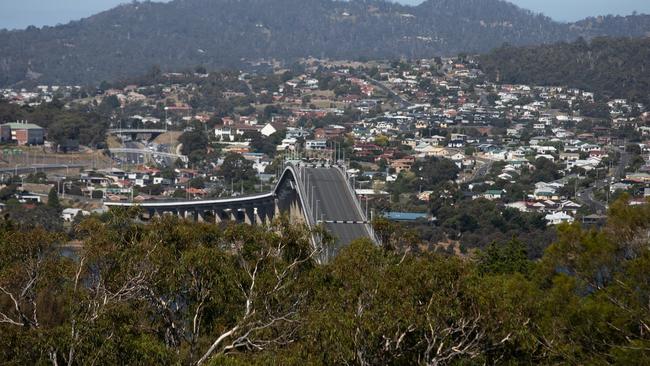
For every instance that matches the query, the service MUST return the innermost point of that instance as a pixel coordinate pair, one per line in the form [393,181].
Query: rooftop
[21,125]
[405,216]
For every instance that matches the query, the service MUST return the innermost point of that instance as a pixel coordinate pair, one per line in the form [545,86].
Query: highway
[136,153]
[332,200]
[133,157]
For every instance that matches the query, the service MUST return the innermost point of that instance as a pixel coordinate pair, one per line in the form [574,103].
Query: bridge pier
[258,218]
[232,214]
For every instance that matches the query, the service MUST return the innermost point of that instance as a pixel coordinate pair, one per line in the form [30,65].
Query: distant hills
[611,67]
[129,39]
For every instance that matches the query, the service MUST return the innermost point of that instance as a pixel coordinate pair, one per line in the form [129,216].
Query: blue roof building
[405,216]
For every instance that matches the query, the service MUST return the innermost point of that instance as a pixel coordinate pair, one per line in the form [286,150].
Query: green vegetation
[478,223]
[611,67]
[193,141]
[177,292]
[424,175]
[238,171]
[53,200]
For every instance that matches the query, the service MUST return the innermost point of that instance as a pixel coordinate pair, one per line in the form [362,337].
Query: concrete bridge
[310,194]
[126,150]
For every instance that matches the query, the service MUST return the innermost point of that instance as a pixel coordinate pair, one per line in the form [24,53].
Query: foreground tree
[177,292]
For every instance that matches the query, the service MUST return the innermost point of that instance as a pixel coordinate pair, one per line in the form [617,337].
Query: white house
[288,144]
[69,214]
[224,133]
[558,218]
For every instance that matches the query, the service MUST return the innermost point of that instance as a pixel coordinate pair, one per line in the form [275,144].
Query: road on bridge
[333,200]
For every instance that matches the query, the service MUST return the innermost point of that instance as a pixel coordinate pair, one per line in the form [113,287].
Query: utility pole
[366,199]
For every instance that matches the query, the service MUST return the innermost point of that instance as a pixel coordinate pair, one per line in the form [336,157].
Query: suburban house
[558,218]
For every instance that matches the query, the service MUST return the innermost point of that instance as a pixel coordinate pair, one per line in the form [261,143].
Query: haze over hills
[129,39]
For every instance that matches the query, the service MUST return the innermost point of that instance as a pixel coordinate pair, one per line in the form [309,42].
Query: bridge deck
[193,203]
[335,202]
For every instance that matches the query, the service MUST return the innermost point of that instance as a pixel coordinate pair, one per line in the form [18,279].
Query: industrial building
[22,133]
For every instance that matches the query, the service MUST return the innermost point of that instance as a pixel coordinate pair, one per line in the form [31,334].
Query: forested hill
[129,39]
[612,67]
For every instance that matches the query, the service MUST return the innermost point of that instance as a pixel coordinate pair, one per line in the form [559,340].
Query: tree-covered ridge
[611,67]
[179,292]
[129,39]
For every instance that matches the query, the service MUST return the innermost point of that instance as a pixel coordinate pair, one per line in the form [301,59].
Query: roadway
[118,131]
[587,197]
[133,154]
[132,157]
[483,168]
[333,200]
[623,162]
[395,96]
[39,167]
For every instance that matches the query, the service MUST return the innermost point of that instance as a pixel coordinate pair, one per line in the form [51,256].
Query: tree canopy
[180,292]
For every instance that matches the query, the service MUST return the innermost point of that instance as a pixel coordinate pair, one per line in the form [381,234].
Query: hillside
[612,67]
[130,38]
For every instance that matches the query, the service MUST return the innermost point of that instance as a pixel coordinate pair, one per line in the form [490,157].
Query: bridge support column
[262,212]
[233,214]
[199,216]
[269,212]
[258,219]
[217,216]
[248,215]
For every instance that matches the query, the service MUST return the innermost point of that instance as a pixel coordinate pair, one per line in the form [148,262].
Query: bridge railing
[303,191]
